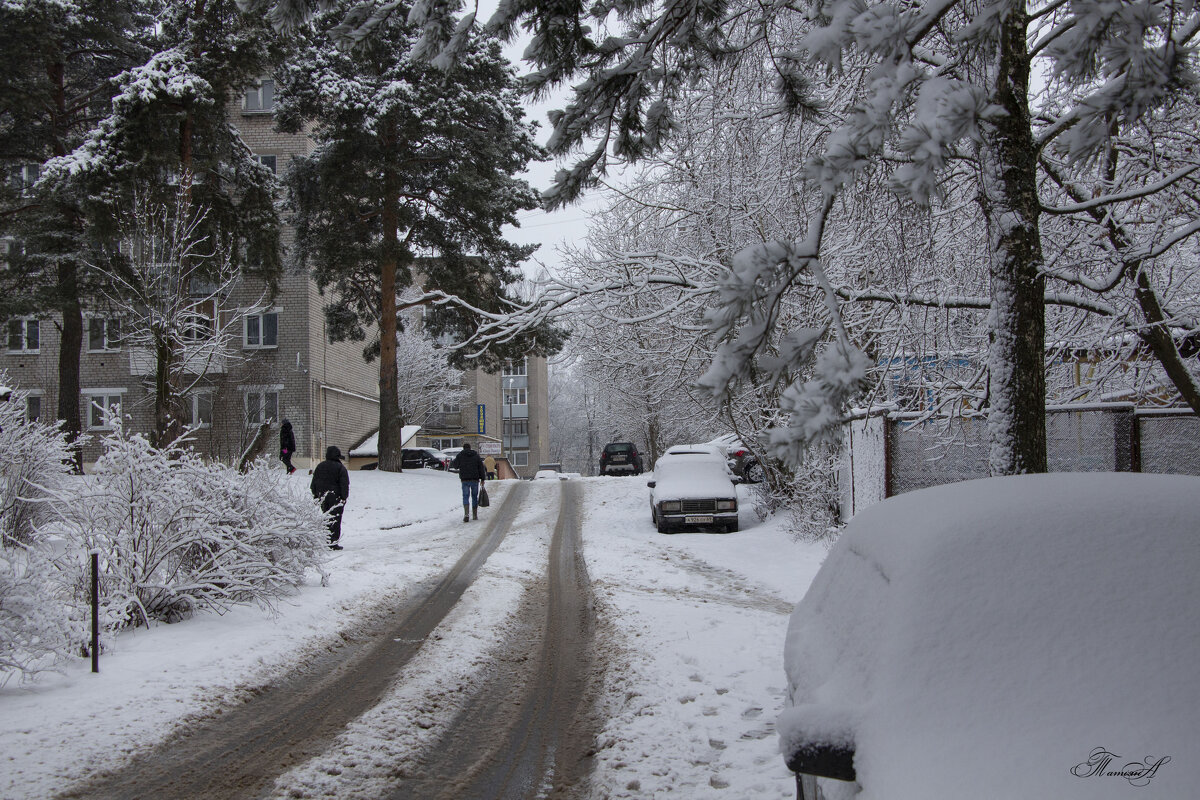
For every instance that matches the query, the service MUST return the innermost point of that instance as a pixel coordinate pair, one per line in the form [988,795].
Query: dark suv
[620,458]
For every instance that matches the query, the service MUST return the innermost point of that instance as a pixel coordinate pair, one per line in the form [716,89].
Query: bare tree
[167,282]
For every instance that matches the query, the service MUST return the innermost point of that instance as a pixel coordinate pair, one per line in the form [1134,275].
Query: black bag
[484,502]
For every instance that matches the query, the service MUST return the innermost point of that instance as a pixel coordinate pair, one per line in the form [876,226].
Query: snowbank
[986,638]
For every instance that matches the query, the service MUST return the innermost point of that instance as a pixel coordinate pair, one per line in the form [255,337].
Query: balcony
[443,421]
[204,358]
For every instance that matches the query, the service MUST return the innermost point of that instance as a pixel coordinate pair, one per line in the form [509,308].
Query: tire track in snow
[239,752]
[530,732]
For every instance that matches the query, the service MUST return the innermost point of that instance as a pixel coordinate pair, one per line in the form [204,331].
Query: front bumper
[699,520]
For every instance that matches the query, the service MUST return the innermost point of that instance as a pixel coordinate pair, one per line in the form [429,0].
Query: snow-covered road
[690,631]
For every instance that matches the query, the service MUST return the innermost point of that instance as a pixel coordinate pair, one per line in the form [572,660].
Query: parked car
[745,464]
[421,457]
[693,490]
[1022,636]
[549,475]
[620,458]
[450,453]
[442,458]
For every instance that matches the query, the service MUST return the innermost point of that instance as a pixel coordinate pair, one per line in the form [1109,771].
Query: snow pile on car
[996,638]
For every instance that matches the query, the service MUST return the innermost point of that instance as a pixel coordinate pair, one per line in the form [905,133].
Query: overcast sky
[567,225]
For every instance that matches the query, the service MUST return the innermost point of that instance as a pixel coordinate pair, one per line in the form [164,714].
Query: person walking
[331,484]
[471,472]
[287,445]
[490,464]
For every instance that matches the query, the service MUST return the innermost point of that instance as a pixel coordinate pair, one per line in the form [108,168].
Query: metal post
[95,611]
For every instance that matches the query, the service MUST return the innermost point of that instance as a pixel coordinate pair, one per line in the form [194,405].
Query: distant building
[281,363]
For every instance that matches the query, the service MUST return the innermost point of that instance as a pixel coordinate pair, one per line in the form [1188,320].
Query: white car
[549,475]
[693,490]
[1032,636]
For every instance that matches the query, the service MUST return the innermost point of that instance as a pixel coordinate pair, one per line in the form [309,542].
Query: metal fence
[890,454]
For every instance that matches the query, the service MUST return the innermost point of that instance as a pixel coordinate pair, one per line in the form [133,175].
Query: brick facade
[327,390]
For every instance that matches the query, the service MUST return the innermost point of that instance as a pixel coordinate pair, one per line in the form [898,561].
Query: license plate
[618,459]
[698,519]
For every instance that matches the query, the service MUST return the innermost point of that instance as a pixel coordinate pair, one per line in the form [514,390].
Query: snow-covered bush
[36,627]
[177,534]
[36,460]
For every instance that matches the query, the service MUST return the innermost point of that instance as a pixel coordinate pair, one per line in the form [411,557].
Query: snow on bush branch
[177,534]
[36,627]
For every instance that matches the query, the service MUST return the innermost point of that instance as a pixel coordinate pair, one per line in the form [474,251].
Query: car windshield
[619,448]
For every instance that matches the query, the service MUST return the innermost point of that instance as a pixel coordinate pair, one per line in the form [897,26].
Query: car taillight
[739,454]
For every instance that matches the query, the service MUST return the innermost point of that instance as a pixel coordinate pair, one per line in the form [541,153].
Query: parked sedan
[419,457]
[693,490]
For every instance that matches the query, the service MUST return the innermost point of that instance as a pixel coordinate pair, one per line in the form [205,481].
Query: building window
[449,408]
[270,162]
[260,98]
[514,396]
[520,458]
[199,409]
[21,178]
[199,322]
[511,369]
[445,444]
[260,330]
[262,405]
[33,407]
[24,336]
[8,247]
[99,401]
[103,334]
[516,427]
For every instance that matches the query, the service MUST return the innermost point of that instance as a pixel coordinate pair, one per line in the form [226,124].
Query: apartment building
[277,363]
[507,413]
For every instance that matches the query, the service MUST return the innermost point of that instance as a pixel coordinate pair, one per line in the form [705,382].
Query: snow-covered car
[709,449]
[742,461]
[620,458]
[450,453]
[693,490]
[549,475]
[1025,636]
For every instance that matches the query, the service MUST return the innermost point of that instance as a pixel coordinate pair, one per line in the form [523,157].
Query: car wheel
[754,472]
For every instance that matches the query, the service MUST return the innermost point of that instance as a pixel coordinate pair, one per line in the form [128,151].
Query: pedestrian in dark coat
[331,484]
[287,445]
[472,473]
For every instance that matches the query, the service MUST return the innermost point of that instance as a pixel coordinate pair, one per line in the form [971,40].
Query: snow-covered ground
[693,625]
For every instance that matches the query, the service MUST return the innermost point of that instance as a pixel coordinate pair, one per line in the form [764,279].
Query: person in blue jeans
[472,473]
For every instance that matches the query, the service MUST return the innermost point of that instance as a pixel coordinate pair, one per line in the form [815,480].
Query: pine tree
[57,60]
[409,185]
[166,133]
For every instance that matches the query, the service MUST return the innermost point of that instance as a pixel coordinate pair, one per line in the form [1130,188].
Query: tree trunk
[391,432]
[71,343]
[69,349]
[1016,356]
[167,423]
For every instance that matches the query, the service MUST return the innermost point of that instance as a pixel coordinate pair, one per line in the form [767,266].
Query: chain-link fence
[1170,442]
[897,453]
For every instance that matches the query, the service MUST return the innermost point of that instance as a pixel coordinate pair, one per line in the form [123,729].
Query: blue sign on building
[481,418]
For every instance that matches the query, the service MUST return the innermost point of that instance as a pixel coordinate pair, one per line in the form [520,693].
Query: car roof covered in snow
[988,636]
